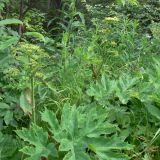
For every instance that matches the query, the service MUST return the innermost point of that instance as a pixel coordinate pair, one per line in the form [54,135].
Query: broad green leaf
[108,89]
[37,137]
[81,16]
[106,144]
[49,117]
[5,60]
[35,35]
[4,106]
[8,146]
[111,156]
[8,117]
[103,90]
[25,101]
[6,113]
[81,128]
[153,110]
[124,88]
[8,43]
[10,21]
[66,145]
[78,156]
[106,148]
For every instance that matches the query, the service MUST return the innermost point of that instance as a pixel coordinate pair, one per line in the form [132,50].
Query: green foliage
[146,13]
[2,4]
[110,89]
[79,129]
[7,39]
[155,29]
[38,141]
[34,20]
[8,146]
[6,113]
[82,86]
[126,2]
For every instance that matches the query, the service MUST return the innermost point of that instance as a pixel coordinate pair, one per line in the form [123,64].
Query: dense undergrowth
[82,86]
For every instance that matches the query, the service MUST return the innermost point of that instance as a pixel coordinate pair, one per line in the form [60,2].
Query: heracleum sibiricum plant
[30,58]
[81,133]
[82,84]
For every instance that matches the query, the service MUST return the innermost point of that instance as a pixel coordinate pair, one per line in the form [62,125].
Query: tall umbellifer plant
[82,133]
[31,62]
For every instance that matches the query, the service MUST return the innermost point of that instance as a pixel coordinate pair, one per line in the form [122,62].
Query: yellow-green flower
[113,43]
[109,19]
[104,30]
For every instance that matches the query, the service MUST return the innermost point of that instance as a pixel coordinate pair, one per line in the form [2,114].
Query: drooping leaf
[10,21]
[35,35]
[25,101]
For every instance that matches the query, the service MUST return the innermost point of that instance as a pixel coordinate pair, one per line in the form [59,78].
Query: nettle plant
[81,133]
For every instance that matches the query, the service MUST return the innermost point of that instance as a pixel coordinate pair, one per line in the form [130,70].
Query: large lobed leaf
[82,128]
[38,140]
[8,146]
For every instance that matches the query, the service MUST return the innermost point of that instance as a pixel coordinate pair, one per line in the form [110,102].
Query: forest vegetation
[79,80]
